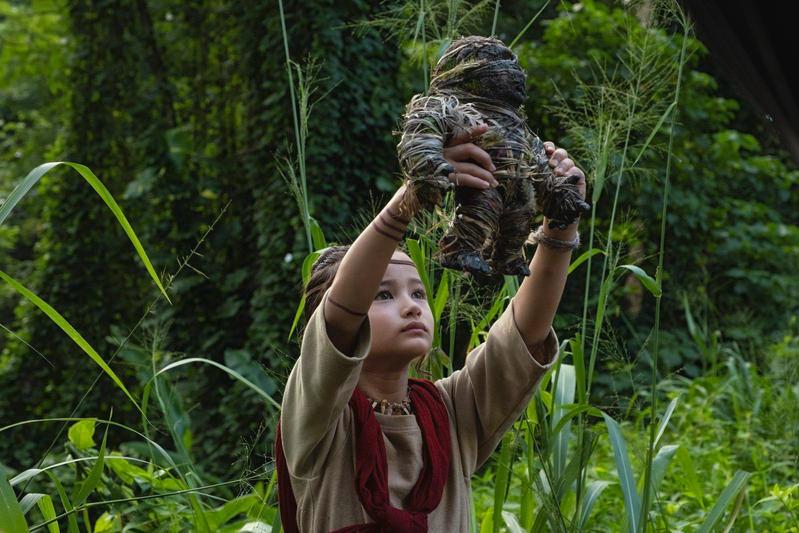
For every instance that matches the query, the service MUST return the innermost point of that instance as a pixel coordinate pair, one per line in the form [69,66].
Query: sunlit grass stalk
[298,140]
[659,279]
[609,246]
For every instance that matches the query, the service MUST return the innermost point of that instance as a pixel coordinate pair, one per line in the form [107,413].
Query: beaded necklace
[386,407]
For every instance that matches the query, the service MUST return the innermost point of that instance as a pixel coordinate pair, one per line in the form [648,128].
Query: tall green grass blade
[592,494]
[48,512]
[632,501]
[665,421]
[648,281]
[72,521]
[307,267]
[441,295]
[317,235]
[730,492]
[92,480]
[12,519]
[578,357]
[604,290]
[527,505]
[61,322]
[502,481]
[28,501]
[574,410]
[527,26]
[487,317]
[416,252]
[583,258]
[33,472]
[35,175]
[163,453]
[654,131]
[220,366]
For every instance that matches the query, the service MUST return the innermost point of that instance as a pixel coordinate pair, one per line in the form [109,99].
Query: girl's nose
[413,308]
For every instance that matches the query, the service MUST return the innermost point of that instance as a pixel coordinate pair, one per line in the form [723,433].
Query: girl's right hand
[473,166]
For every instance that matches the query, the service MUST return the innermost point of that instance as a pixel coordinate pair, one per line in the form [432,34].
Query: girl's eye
[419,293]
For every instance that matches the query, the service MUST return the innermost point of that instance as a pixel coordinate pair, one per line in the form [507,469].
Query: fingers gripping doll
[478,80]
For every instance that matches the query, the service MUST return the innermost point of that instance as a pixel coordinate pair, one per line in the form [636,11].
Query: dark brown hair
[323,272]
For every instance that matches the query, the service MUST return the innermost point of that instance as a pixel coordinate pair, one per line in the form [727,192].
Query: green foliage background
[182,109]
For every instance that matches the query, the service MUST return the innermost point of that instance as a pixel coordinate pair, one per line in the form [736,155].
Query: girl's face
[400,317]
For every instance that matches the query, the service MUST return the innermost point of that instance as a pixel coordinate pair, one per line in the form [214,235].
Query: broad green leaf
[564,395]
[648,282]
[56,317]
[632,501]
[35,175]
[592,493]
[661,463]
[222,515]
[730,492]
[12,519]
[81,434]
[107,523]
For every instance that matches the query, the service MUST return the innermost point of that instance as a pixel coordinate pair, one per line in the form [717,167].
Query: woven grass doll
[478,80]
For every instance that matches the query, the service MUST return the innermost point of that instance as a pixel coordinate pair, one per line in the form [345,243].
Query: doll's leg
[476,218]
[514,228]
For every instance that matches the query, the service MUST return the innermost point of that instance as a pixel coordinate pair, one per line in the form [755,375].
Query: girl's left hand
[562,164]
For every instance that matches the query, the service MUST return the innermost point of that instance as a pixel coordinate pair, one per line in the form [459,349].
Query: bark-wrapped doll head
[483,67]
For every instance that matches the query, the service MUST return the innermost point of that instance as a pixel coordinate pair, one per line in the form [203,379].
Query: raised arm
[539,296]
[358,277]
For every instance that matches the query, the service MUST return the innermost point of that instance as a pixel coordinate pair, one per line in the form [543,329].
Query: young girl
[363,447]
